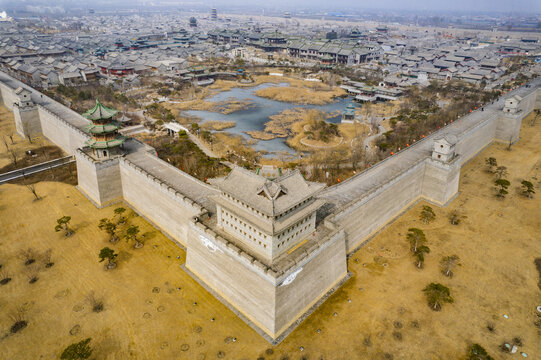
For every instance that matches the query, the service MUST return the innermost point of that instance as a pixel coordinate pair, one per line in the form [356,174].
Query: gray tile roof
[269,197]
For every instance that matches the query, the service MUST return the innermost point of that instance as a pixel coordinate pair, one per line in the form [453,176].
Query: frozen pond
[256,116]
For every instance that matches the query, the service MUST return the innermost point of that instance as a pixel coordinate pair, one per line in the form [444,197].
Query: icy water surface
[255,117]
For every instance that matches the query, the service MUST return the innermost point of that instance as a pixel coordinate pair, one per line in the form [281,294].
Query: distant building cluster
[74,51]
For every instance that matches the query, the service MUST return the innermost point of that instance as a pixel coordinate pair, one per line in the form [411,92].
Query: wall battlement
[166,188]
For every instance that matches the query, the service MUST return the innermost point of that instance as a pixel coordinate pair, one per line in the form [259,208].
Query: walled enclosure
[173,201]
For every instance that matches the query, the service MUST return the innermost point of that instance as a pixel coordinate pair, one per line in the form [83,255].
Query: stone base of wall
[257,329]
[99,206]
[99,181]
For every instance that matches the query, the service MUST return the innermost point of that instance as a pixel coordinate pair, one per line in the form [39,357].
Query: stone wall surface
[27,121]
[99,180]
[60,132]
[315,279]
[246,290]
[378,207]
[163,205]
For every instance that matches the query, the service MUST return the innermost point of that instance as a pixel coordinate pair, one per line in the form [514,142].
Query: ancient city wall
[317,277]
[427,179]
[269,300]
[250,292]
[374,210]
[40,119]
[8,96]
[60,132]
[167,208]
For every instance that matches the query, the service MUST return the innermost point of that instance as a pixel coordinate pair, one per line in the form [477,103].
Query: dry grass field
[301,94]
[154,310]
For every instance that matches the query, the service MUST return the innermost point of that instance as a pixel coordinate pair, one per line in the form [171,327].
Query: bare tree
[33,273]
[46,257]
[427,214]
[455,217]
[95,302]
[32,188]
[13,156]
[447,263]
[28,255]
[537,113]
[491,164]
[510,143]
[19,320]
[5,277]
[5,143]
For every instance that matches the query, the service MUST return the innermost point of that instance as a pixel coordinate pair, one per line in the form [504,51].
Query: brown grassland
[301,94]
[146,316]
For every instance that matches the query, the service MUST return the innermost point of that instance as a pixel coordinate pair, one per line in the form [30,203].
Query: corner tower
[98,171]
[263,253]
[267,217]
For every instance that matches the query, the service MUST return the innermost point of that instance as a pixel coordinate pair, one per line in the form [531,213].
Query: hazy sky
[530,7]
[527,6]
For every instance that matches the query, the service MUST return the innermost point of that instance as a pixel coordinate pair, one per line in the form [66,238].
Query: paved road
[16,174]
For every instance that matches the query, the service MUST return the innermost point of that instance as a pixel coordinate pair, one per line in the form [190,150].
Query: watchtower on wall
[511,105]
[26,114]
[98,171]
[106,142]
[444,148]
[442,171]
[268,217]
[510,119]
[263,253]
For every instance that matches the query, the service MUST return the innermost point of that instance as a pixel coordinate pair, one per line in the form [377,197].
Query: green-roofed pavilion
[106,140]
[100,112]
